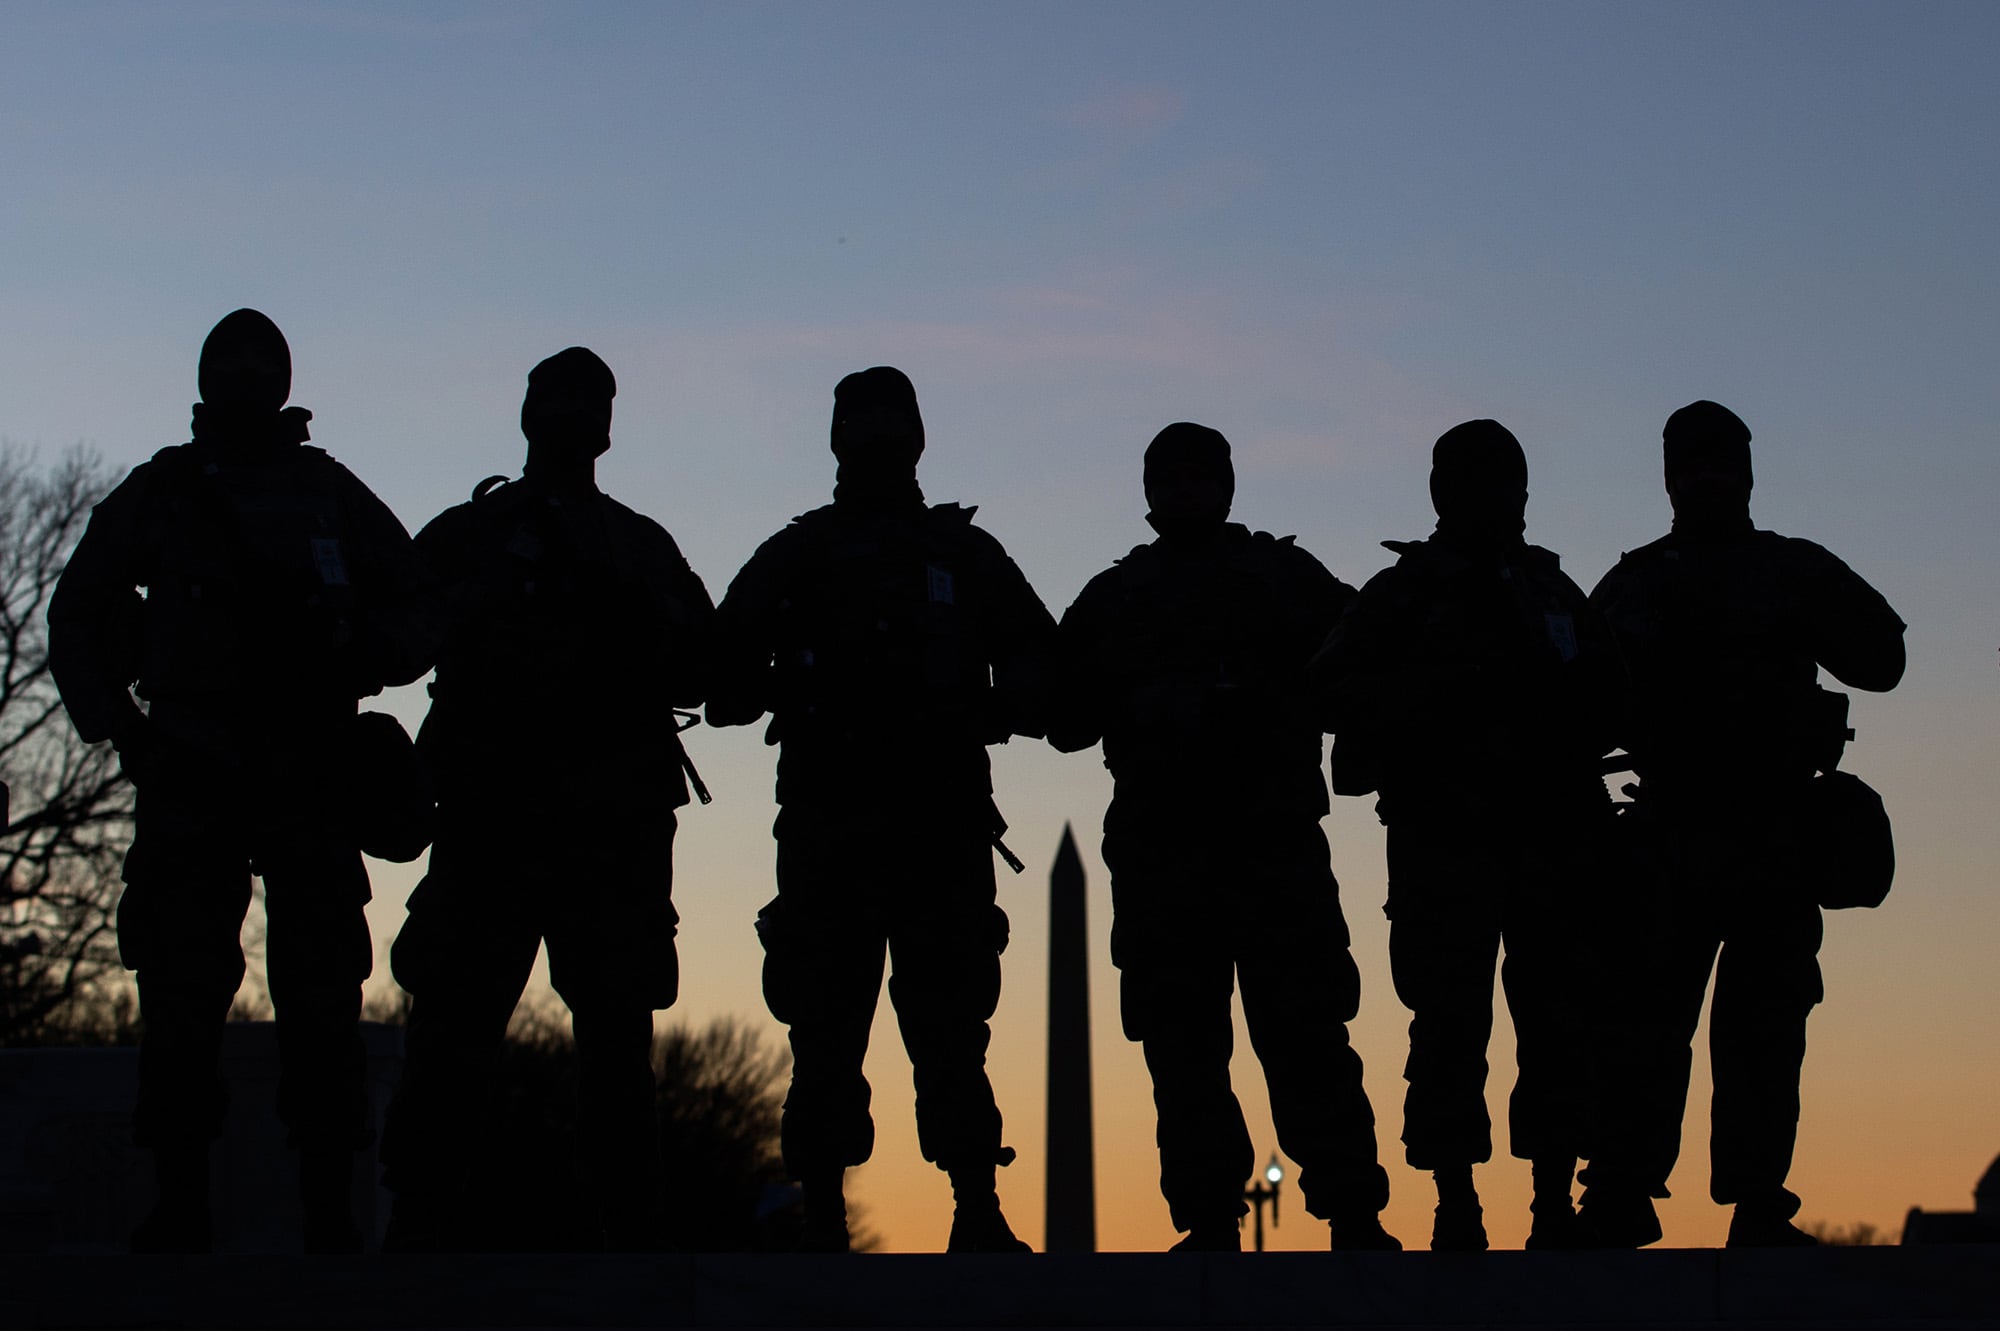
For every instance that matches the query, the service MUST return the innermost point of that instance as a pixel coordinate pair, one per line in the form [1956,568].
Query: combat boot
[1555,1225]
[1766,1227]
[825,1205]
[1460,1222]
[1360,1232]
[1616,1218]
[1212,1236]
[326,1196]
[976,1222]
[179,1220]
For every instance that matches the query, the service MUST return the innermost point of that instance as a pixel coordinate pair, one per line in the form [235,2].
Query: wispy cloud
[1125,115]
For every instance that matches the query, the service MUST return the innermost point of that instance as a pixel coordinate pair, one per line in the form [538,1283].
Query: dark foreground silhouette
[278,592]
[1187,659]
[1472,685]
[1725,628]
[248,591]
[569,623]
[890,641]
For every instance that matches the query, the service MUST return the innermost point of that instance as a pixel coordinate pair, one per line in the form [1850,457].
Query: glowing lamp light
[1274,1173]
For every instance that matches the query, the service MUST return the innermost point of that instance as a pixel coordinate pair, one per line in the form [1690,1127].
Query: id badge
[1562,634]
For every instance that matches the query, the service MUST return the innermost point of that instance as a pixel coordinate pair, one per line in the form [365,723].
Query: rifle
[1013,861]
[688,721]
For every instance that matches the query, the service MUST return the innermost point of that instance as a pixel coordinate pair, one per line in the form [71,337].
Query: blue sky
[1331,231]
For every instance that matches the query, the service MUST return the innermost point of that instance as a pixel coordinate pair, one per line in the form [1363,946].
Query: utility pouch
[391,807]
[1823,729]
[1850,850]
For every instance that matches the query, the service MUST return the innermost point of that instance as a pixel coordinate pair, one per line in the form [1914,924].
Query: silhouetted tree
[1860,1234]
[722,1180]
[71,805]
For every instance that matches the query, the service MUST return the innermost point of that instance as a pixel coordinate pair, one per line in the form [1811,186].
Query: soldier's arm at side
[680,605]
[403,631]
[94,618]
[1351,678]
[1321,599]
[745,632]
[1852,630]
[1076,704]
[1604,685]
[1021,636]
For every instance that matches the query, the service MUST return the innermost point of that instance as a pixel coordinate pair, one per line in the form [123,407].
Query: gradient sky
[1330,231]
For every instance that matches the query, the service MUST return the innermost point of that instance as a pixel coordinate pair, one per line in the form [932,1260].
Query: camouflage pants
[1455,899]
[476,924]
[852,893]
[180,920]
[1731,902]
[1195,912]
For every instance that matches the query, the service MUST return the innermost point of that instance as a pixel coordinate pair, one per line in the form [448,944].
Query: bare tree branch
[71,806]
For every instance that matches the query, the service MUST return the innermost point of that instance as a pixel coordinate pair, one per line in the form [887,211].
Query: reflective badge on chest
[329,560]
[1562,633]
[940,580]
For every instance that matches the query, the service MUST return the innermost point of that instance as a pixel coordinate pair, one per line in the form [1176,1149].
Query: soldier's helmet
[245,362]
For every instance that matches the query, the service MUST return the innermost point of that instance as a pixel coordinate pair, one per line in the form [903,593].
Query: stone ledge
[1941,1288]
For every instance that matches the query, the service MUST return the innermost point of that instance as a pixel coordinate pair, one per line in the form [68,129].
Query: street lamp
[1265,1190]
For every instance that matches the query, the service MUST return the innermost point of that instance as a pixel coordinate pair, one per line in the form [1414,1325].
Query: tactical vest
[247,571]
[880,628]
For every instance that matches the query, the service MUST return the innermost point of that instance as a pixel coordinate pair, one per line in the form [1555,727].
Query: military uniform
[1187,659]
[278,591]
[573,625]
[891,642]
[1473,686]
[1725,630]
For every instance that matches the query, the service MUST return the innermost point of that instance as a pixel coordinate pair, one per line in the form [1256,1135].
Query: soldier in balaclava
[573,627]
[891,641]
[278,592]
[1475,689]
[1187,658]
[1726,628]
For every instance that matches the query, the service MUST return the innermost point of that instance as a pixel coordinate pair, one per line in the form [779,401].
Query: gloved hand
[138,746]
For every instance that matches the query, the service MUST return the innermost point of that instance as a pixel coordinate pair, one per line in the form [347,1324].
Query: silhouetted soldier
[278,592]
[1187,658]
[1725,627]
[891,642]
[573,624]
[1474,687]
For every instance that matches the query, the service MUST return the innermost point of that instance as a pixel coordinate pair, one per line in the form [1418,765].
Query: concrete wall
[72,1182]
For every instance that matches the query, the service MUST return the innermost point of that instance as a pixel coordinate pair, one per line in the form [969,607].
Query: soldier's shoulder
[951,515]
[1657,548]
[1289,560]
[453,520]
[811,521]
[1138,558]
[1284,551]
[161,468]
[797,539]
[312,458]
[1419,558]
[1417,565]
[1800,558]
[644,526]
[953,524]
[1128,570]
[325,472]
[1794,547]
[1641,557]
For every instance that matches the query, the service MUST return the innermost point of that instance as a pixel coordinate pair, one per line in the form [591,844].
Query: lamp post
[1265,1190]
